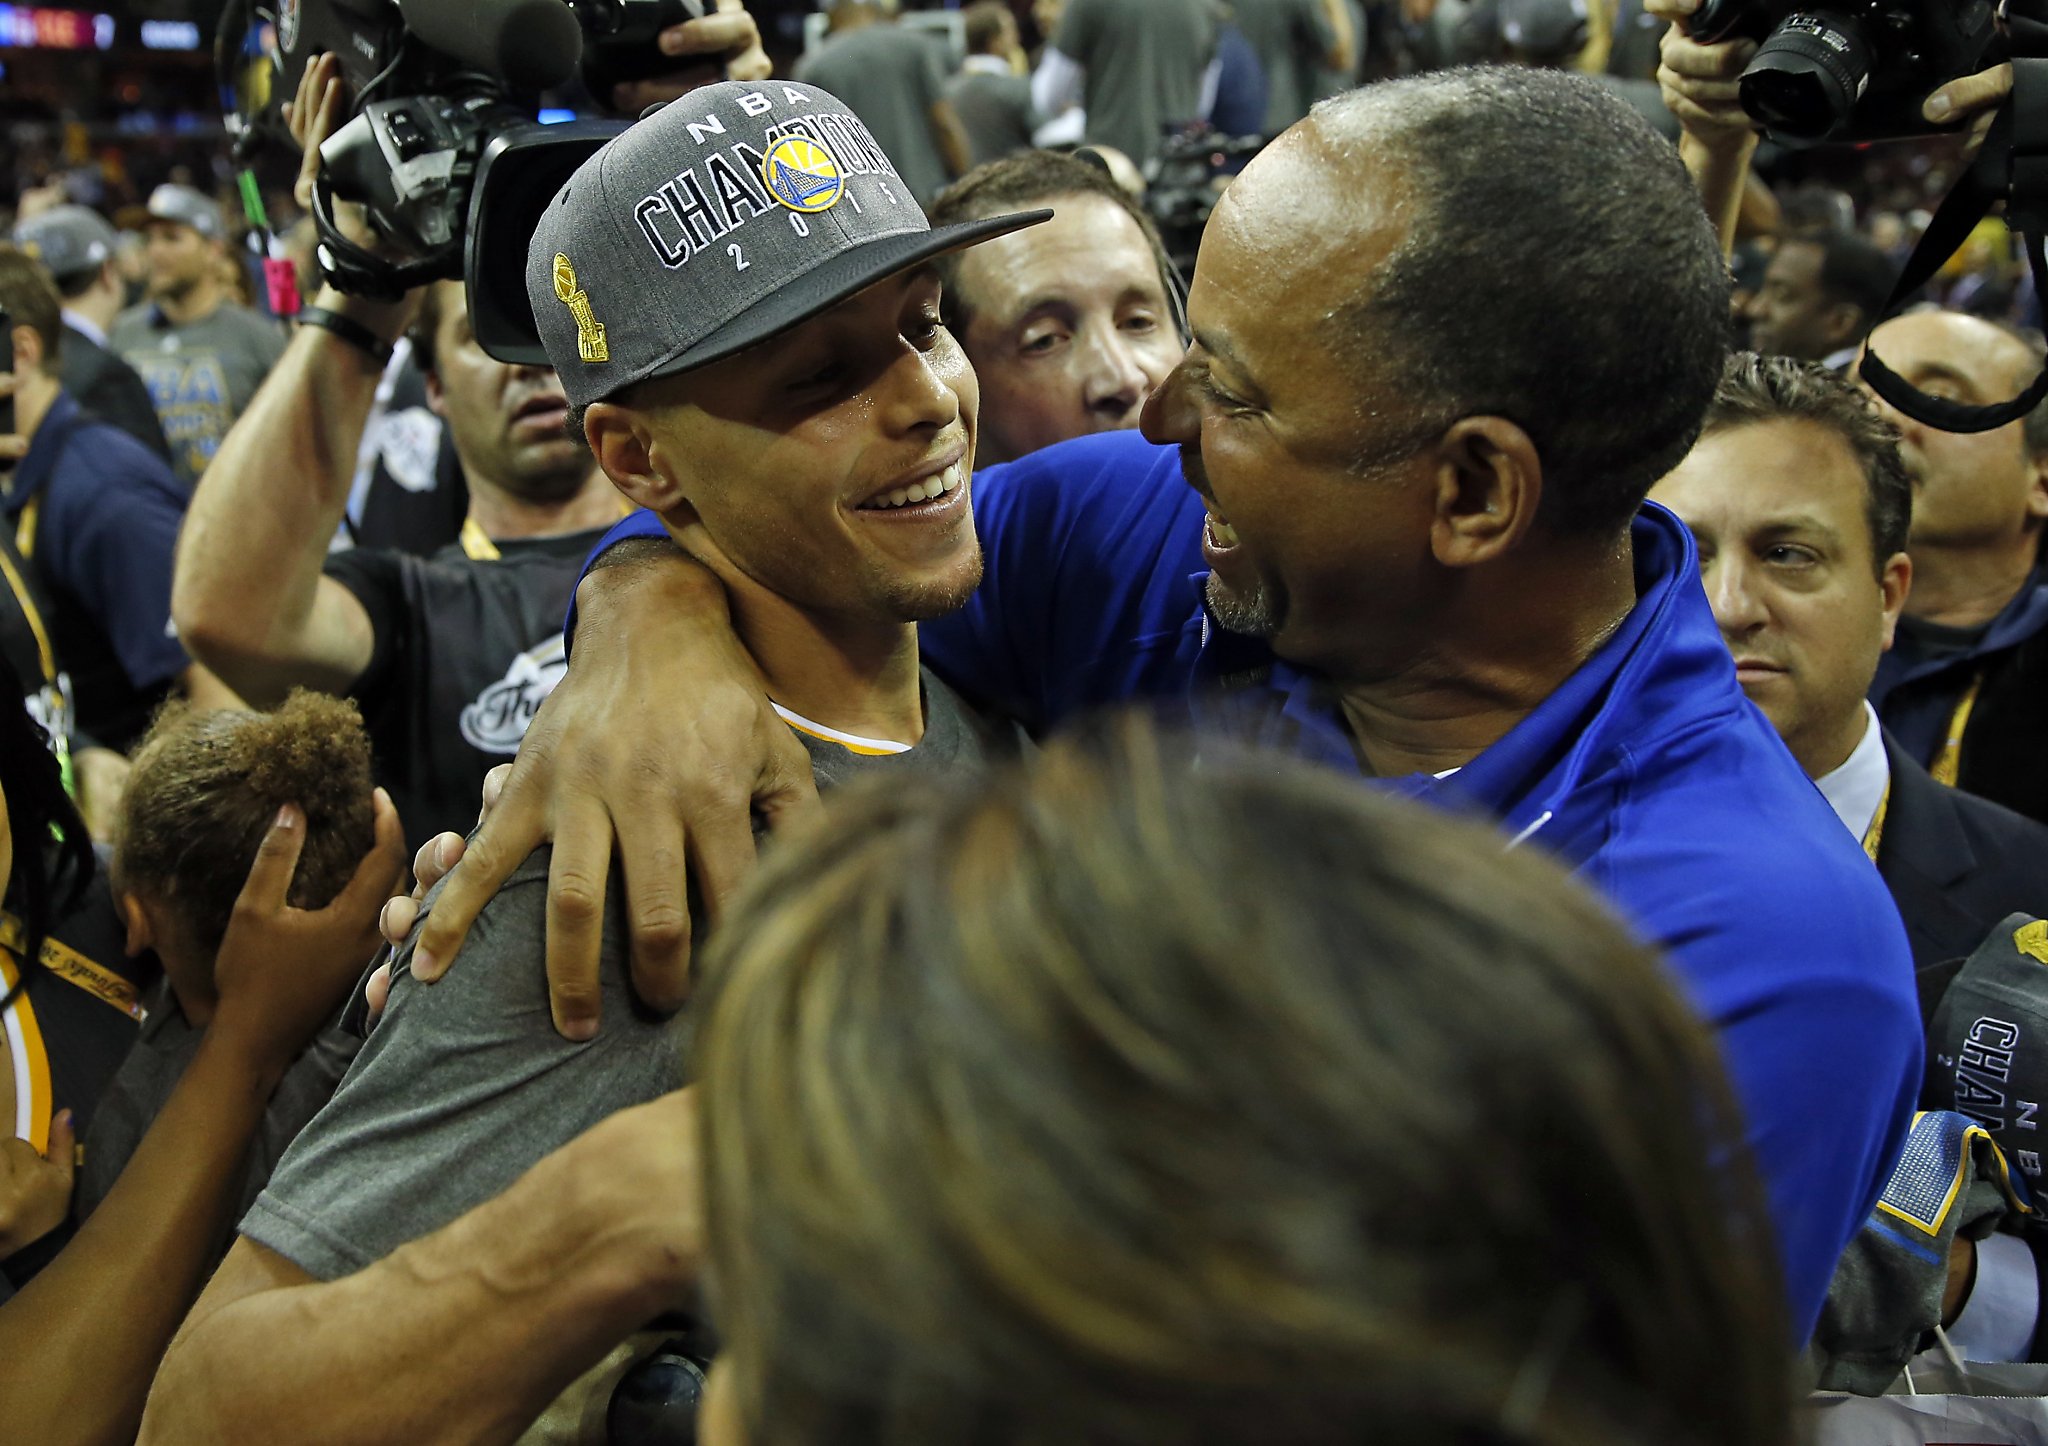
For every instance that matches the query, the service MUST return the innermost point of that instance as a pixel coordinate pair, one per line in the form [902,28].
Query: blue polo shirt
[1647,771]
[101,540]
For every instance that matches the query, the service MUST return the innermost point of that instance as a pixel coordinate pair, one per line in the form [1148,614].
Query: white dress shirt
[1857,789]
[77,321]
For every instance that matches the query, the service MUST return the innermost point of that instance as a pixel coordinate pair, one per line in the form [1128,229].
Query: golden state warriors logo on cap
[802,174]
[590,343]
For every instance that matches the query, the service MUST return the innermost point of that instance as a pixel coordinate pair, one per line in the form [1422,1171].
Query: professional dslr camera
[1849,70]
[443,94]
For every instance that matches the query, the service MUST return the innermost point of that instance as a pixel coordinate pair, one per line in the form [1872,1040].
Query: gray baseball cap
[716,222]
[172,202]
[69,240]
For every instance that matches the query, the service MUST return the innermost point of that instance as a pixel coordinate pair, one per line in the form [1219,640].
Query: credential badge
[590,345]
[802,175]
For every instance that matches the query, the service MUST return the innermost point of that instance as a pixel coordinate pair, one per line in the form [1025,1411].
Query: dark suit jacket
[1956,864]
[108,388]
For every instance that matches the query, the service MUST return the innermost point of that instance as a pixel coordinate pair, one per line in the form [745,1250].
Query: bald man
[1965,686]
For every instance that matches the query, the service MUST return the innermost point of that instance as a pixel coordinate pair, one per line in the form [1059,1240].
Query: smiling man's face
[1779,509]
[1308,456]
[830,465]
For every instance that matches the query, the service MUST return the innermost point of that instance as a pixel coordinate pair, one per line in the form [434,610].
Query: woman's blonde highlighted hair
[1107,1099]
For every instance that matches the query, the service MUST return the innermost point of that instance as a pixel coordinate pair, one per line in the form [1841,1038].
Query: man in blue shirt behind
[95,514]
[1388,512]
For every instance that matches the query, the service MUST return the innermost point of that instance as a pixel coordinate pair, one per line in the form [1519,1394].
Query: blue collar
[43,451]
[1664,668]
[2019,620]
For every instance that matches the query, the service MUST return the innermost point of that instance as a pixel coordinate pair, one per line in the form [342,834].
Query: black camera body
[1849,70]
[442,92]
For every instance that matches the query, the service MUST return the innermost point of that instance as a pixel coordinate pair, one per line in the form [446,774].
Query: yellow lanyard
[1949,762]
[25,530]
[1873,837]
[476,546]
[45,654]
[73,967]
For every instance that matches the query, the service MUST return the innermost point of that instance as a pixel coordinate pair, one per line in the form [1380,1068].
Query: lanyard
[45,654]
[73,967]
[476,546]
[1948,763]
[1873,837]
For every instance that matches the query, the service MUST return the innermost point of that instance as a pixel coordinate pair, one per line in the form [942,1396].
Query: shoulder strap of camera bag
[2012,166]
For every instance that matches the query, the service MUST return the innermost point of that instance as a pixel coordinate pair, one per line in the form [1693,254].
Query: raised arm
[80,1343]
[249,597]
[1717,137]
[1341,54]
[464,1335]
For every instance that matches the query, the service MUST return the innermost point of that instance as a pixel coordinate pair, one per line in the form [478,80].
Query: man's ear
[620,440]
[1894,583]
[28,350]
[437,395]
[1489,484]
[135,920]
[2037,486]
[1846,324]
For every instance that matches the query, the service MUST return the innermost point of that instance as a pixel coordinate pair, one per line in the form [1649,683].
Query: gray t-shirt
[995,111]
[891,78]
[200,374]
[1291,38]
[465,1085]
[1144,61]
[150,1073]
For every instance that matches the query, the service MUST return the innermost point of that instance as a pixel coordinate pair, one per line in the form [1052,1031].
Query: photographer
[448,655]
[1719,138]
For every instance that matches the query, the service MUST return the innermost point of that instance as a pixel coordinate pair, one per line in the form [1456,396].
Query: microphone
[533,44]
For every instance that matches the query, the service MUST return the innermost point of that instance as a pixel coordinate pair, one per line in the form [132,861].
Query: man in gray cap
[202,355]
[739,298]
[76,246]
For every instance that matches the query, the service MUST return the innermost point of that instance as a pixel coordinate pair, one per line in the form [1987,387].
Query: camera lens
[1807,76]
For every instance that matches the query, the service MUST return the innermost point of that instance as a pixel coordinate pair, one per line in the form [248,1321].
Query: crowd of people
[1360,844]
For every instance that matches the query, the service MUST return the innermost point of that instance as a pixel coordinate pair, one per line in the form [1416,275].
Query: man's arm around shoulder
[461,1336]
[465,1335]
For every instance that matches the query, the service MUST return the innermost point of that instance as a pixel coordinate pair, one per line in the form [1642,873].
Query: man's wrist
[1731,143]
[385,320]
[348,330]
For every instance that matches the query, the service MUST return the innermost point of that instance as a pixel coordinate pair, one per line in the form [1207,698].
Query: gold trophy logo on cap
[590,344]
